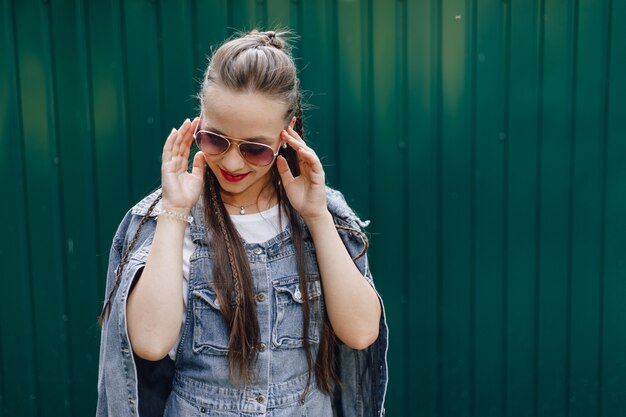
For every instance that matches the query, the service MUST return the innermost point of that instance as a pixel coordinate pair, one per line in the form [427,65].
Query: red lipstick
[233,178]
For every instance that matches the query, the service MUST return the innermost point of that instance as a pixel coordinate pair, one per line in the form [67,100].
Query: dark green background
[485,139]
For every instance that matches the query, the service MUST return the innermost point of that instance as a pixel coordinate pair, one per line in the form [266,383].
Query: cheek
[264,171]
[212,165]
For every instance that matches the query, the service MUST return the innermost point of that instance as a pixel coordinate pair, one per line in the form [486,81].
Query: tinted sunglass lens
[257,154]
[211,143]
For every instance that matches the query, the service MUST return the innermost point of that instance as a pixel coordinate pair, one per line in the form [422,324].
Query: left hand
[307,191]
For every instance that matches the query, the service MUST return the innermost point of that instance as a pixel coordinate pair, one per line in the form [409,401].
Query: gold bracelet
[177,216]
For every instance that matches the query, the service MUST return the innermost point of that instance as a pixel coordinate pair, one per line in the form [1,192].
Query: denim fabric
[199,380]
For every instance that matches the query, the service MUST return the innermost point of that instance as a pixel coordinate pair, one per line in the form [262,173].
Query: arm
[352,304]
[155,306]
[353,307]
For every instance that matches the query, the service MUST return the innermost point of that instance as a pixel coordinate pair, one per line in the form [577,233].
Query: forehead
[243,114]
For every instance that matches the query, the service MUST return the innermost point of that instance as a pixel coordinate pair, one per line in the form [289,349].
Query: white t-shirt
[253,228]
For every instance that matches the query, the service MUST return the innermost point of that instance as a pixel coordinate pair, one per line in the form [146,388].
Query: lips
[231,177]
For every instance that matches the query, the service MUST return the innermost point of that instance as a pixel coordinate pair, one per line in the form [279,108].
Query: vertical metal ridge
[605,140]
[538,201]
[295,25]
[473,48]
[505,204]
[55,135]
[121,21]
[401,86]
[261,14]
[83,51]
[367,62]
[299,18]
[160,69]
[193,10]
[3,395]
[11,30]
[229,18]
[334,25]
[570,221]
[436,24]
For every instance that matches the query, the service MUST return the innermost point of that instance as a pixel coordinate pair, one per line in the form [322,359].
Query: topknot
[268,38]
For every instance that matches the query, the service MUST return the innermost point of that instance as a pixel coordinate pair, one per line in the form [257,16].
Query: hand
[307,191]
[181,188]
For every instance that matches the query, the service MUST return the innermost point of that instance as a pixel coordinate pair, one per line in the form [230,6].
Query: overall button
[260,297]
[257,251]
[260,399]
[261,347]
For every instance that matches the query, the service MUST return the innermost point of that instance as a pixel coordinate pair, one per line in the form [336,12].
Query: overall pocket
[288,312]
[210,333]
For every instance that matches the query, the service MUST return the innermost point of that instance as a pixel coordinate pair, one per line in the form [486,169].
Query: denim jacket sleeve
[362,372]
[117,372]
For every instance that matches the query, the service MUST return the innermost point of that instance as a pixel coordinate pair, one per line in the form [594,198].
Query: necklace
[242,209]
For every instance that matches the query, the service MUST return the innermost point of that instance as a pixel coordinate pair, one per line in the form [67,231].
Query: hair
[256,62]
[259,62]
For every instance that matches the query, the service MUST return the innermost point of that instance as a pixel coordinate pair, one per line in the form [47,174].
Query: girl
[242,289]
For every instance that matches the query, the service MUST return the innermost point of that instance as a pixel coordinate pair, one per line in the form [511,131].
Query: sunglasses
[215,144]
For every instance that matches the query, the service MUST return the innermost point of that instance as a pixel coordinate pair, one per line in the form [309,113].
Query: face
[244,117]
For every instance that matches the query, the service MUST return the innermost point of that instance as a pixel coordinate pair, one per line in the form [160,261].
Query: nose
[232,161]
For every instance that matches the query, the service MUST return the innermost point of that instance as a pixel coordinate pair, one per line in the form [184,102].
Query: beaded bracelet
[177,216]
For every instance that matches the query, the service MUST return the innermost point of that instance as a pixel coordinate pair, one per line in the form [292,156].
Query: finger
[295,134]
[311,160]
[178,143]
[283,170]
[199,165]
[295,143]
[188,140]
[308,155]
[167,148]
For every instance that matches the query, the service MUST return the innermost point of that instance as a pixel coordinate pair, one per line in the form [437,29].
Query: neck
[260,202]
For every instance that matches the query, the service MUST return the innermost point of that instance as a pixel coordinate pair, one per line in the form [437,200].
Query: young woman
[242,289]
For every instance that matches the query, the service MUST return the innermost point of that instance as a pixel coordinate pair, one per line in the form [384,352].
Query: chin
[233,188]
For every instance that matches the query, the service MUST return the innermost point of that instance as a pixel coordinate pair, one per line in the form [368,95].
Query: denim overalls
[199,382]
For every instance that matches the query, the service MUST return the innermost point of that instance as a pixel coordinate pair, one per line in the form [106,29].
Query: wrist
[181,215]
[319,221]
[166,205]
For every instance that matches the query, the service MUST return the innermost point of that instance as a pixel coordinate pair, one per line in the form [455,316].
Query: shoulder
[142,207]
[132,221]
[349,226]
[341,211]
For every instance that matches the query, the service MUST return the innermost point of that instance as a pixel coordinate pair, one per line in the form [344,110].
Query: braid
[229,248]
[106,310]
[363,236]
[243,330]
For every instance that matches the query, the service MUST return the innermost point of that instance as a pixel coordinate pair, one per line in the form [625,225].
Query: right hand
[181,189]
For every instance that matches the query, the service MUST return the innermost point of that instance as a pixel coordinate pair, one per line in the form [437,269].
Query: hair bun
[268,38]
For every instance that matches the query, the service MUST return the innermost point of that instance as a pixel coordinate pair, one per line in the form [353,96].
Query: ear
[293,122]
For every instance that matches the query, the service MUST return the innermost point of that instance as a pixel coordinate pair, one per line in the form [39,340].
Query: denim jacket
[124,378]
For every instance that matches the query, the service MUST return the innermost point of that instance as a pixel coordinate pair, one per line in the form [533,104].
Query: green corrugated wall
[485,139]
